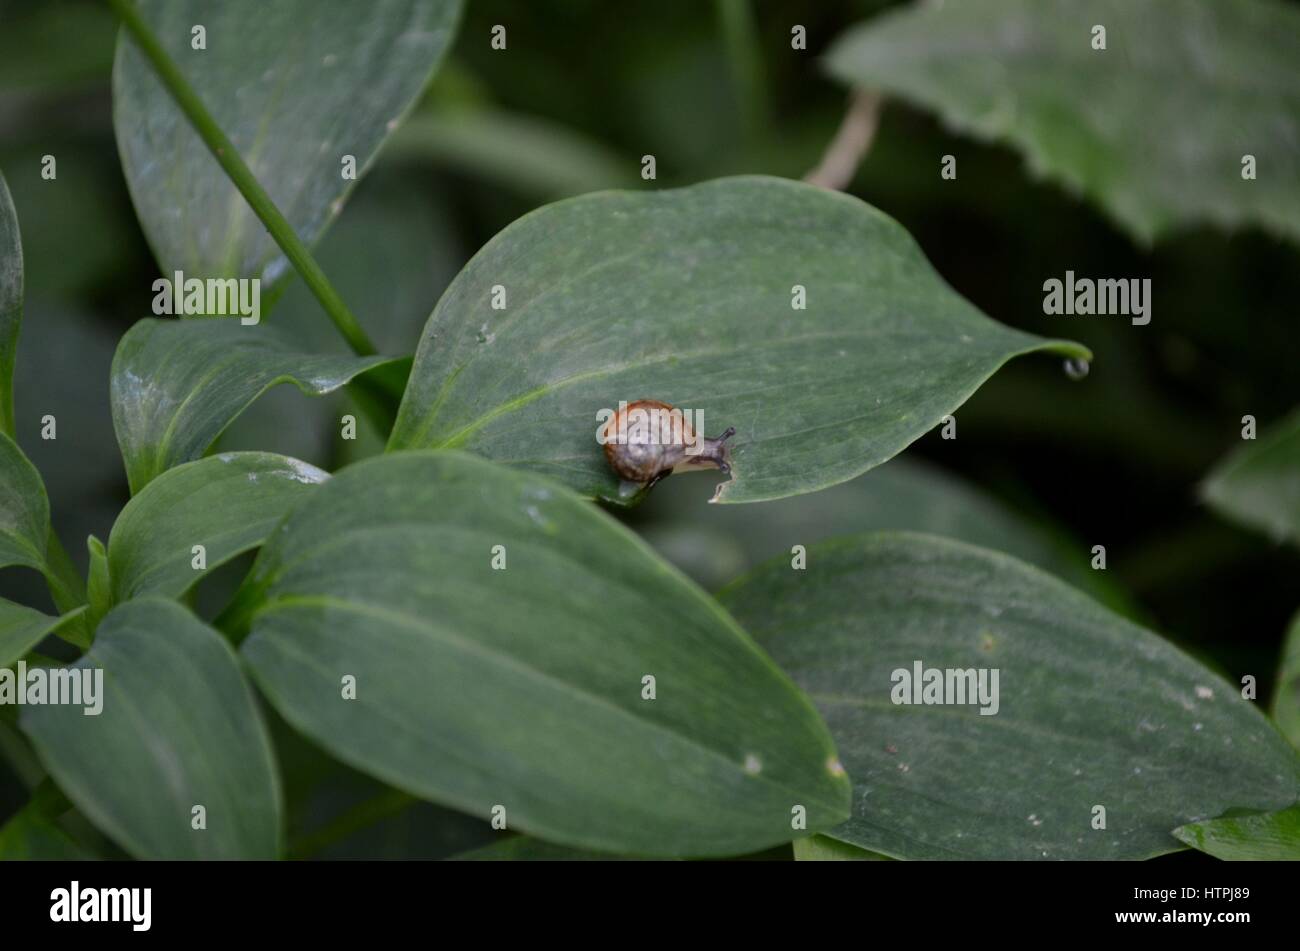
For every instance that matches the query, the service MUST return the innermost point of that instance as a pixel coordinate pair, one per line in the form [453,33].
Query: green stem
[740,35]
[228,158]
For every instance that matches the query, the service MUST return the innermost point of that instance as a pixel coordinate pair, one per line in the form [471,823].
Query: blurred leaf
[525,848]
[22,628]
[1153,128]
[715,543]
[1092,710]
[685,296]
[28,836]
[11,304]
[1258,485]
[1269,837]
[179,728]
[535,705]
[533,156]
[178,383]
[821,848]
[228,503]
[296,86]
[1286,694]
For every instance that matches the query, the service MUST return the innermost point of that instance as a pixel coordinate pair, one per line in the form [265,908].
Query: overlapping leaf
[523,686]
[296,85]
[688,296]
[179,729]
[228,504]
[178,383]
[1154,128]
[1258,485]
[1091,711]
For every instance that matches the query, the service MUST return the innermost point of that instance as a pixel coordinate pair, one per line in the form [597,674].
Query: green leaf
[1153,128]
[99,587]
[11,303]
[1286,694]
[179,728]
[685,296]
[1258,484]
[28,836]
[228,504]
[522,687]
[177,384]
[1271,836]
[22,628]
[716,543]
[296,85]
[1092,709]
[24,509]
[821,848]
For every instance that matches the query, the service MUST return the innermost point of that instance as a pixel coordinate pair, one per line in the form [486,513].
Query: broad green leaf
[686,296]
[522,687]
[1258,484]
[1286,693]
[716,543]
[179,728]
[227,503]
[28,836]
[11,303]
[822,848]
[1091,709]
[532,156]
[1271,836]
[178,383]
[297,86]
[1154,128]
[22,628]
[24,509]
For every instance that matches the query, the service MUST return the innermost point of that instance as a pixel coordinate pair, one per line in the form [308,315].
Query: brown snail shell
[657,439]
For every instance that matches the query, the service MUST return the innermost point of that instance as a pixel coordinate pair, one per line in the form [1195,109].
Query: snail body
[646,440]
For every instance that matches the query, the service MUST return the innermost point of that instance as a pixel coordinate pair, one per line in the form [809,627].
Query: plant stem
[851,142]
[740,34]
[228,158]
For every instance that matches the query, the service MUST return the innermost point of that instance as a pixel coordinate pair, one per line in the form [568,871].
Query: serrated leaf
[177,384]
[179,728]
[296,85]
[11,303]
[227,503]
[1153,128]
[1091,709]
[384,574]
[1262,837]
[1258,484]
[685,296]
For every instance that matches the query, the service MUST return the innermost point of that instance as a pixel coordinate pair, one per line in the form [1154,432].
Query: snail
[647,440]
